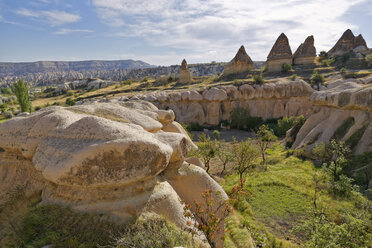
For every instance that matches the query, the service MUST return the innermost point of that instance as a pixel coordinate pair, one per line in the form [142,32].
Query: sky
[163,32]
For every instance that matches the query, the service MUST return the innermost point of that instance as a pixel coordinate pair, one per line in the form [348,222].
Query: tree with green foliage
[334,156]
[207,149]
[245,155]
[265,138]
[70,101]
[317,79]
[21,92]
[323,55]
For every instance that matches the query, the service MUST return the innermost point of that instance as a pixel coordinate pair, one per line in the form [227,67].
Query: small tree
[209,215]
[258,79]
[245,156]
[265,138]
[317,79]
[224,155]
[21,92]
[207,149]
[323,55]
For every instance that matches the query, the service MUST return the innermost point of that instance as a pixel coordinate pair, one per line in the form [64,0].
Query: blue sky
[163,32]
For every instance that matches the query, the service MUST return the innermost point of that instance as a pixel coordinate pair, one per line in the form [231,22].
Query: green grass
[2,120]
[280,198]
[62,227]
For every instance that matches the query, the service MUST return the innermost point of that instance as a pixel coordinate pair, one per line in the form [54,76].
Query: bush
[216,134]
[323,55]
[8,114]
[284,125]
[126,82]
[293,77]
[170,79]
[194,126]
[69,93]
[241,119]
[343,71]
[5,91]
[258,79]
[317,79]
[70,102]
[286,67]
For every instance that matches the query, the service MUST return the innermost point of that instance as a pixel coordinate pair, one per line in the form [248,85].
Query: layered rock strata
[122,159]
[185,75]
[280,54]
[347,43]
[305,53]
[344,100]
[211,106]
[240,63]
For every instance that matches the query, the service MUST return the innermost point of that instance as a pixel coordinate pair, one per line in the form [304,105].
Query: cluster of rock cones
[281,53]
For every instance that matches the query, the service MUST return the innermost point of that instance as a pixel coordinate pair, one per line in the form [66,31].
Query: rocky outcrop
[347,43]
[305,53]
[240,63]
[185,75]
[118,158]
[343,101]
[86,84]
[280,54]
[211,106]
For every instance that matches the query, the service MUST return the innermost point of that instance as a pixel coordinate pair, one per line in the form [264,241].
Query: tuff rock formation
[343,100]
[347,43]
[305,53]
[210,106]
[280,54]
[122,159]
[240,63]
[185,75]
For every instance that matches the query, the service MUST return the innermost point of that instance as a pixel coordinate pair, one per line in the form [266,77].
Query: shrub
[354,139]
[284,125]
[323,55]
[368,59]
[8,114]
[240,119]
[343,71]
[343,129]
[258,79]
[194,126]
[286,67]
[69,93]
[293,77]
[70,102]
[170,78]
[244,157]
[216,134]
[5,91]
[317,79]
[37,108]
[207,149]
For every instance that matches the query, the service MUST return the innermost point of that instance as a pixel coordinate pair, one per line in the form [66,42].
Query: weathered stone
[185,75]
[305,53]
[215,94]
[240,63]
[347,43]
[280,54]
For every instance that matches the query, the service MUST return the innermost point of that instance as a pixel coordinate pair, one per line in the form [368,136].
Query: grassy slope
[280,198]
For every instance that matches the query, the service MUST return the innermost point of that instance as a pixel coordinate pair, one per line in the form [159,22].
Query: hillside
[24,68]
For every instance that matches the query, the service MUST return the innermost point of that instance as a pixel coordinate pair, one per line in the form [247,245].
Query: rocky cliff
[211,106]
[280,54]
[347,43]
[121,159]
[344,112]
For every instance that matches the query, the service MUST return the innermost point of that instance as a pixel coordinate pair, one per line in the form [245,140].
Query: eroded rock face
[347,43]
[240,63]
[211,106]
[305,53]
[280,54]
[341,101]
[119,158]
[185,75]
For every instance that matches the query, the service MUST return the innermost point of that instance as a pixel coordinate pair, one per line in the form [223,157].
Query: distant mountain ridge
[24,68]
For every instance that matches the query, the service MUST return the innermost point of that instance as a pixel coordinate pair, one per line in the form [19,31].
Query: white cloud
[199,26]
[70,31]
[53,17]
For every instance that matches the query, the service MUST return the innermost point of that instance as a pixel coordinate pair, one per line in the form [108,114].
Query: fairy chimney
[305,53]
[240,63]
[280,54]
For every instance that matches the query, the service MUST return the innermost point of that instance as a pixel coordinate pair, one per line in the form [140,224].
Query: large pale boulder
[108,158]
